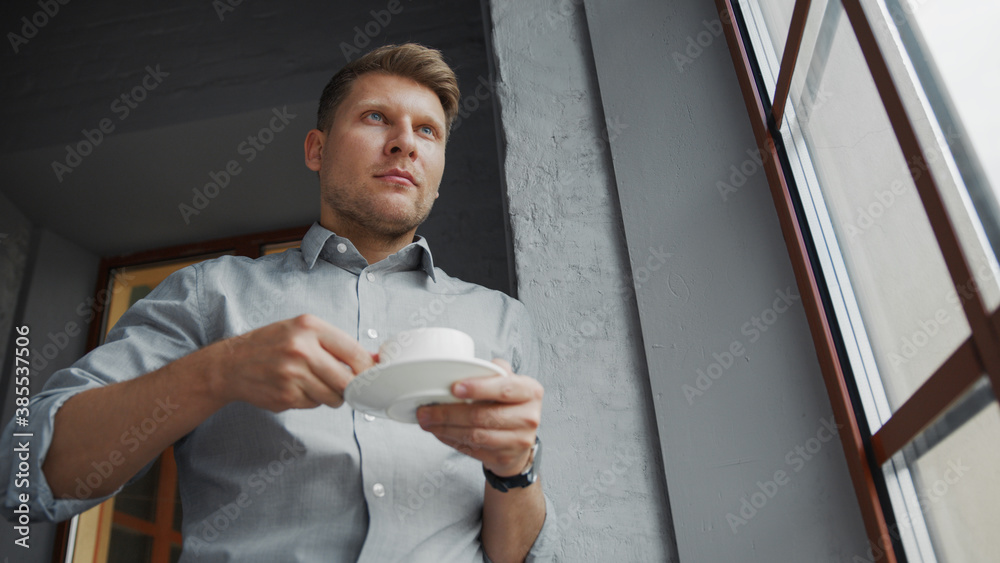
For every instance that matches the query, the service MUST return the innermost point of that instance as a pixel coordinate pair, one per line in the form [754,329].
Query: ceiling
[201,78]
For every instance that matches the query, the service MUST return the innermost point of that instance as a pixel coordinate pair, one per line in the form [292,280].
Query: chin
[394,224]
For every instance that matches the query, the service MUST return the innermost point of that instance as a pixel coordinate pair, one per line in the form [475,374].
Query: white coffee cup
[431,343]
[416,368]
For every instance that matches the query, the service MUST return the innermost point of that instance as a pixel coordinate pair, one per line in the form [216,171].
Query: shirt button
[370,276]
[341,248]
[372,333]
[369,417]
[378,489]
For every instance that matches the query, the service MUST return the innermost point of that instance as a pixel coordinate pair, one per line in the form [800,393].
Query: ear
[314,149]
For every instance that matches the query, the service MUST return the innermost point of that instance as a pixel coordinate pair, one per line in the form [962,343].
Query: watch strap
[521,480]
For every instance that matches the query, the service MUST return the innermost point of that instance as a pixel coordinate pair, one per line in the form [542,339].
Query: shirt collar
[320,242]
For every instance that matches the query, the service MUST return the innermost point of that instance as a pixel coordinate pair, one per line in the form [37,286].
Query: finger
[504,451]
[498,416]
[481,443]
[284,388]
[319,392]
[311,398]
[338,343]
[329,378]
[511,389]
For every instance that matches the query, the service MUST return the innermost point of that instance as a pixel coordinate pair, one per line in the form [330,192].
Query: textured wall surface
[754,468]
[602,464]
[750,456]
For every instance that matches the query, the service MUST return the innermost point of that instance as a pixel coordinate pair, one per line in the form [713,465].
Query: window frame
[844,352]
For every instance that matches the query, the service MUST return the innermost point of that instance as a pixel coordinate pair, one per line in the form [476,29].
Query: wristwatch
[521,480]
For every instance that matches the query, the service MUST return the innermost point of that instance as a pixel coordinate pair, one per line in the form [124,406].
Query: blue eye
[376,116]
[427,130]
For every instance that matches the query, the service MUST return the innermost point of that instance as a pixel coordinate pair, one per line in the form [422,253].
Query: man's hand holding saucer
[498,428]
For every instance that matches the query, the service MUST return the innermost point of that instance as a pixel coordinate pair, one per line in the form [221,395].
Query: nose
[403,140]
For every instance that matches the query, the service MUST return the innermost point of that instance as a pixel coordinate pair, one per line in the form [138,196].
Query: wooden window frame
[980,353]
[251,246]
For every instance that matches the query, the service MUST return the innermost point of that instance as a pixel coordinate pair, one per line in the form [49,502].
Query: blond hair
[423,65]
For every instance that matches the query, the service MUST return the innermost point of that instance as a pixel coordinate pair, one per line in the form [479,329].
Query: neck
[375,247]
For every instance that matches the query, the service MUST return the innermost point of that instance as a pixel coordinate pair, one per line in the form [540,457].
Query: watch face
[536,461]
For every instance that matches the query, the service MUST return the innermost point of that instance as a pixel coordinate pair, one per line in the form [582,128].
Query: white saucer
[396,390]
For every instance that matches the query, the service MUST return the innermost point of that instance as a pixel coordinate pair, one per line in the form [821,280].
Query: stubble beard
[364,213]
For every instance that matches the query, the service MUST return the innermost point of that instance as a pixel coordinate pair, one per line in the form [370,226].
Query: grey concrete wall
[15,240]
[60,281]
[602,463]
[754,468]
[15,246]
[57,304]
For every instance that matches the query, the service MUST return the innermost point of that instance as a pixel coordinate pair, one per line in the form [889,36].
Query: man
[243,364]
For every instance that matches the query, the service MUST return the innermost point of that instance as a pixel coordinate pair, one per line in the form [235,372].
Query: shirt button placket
[372,333]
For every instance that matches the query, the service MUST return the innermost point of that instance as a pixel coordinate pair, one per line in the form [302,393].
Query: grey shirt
[302,485]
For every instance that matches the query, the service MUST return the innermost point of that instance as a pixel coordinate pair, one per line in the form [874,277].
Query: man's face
[380,163]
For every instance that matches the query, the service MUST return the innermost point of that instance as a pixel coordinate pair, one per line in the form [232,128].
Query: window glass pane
[139,498]
[771,20]
[938,54]
[908,304]
[129,546]
[961,39]
[767,25]
[178,510]
[956,483]
[777,17]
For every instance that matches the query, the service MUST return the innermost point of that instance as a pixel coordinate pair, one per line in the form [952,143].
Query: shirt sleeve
[158,329]
[544,548]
